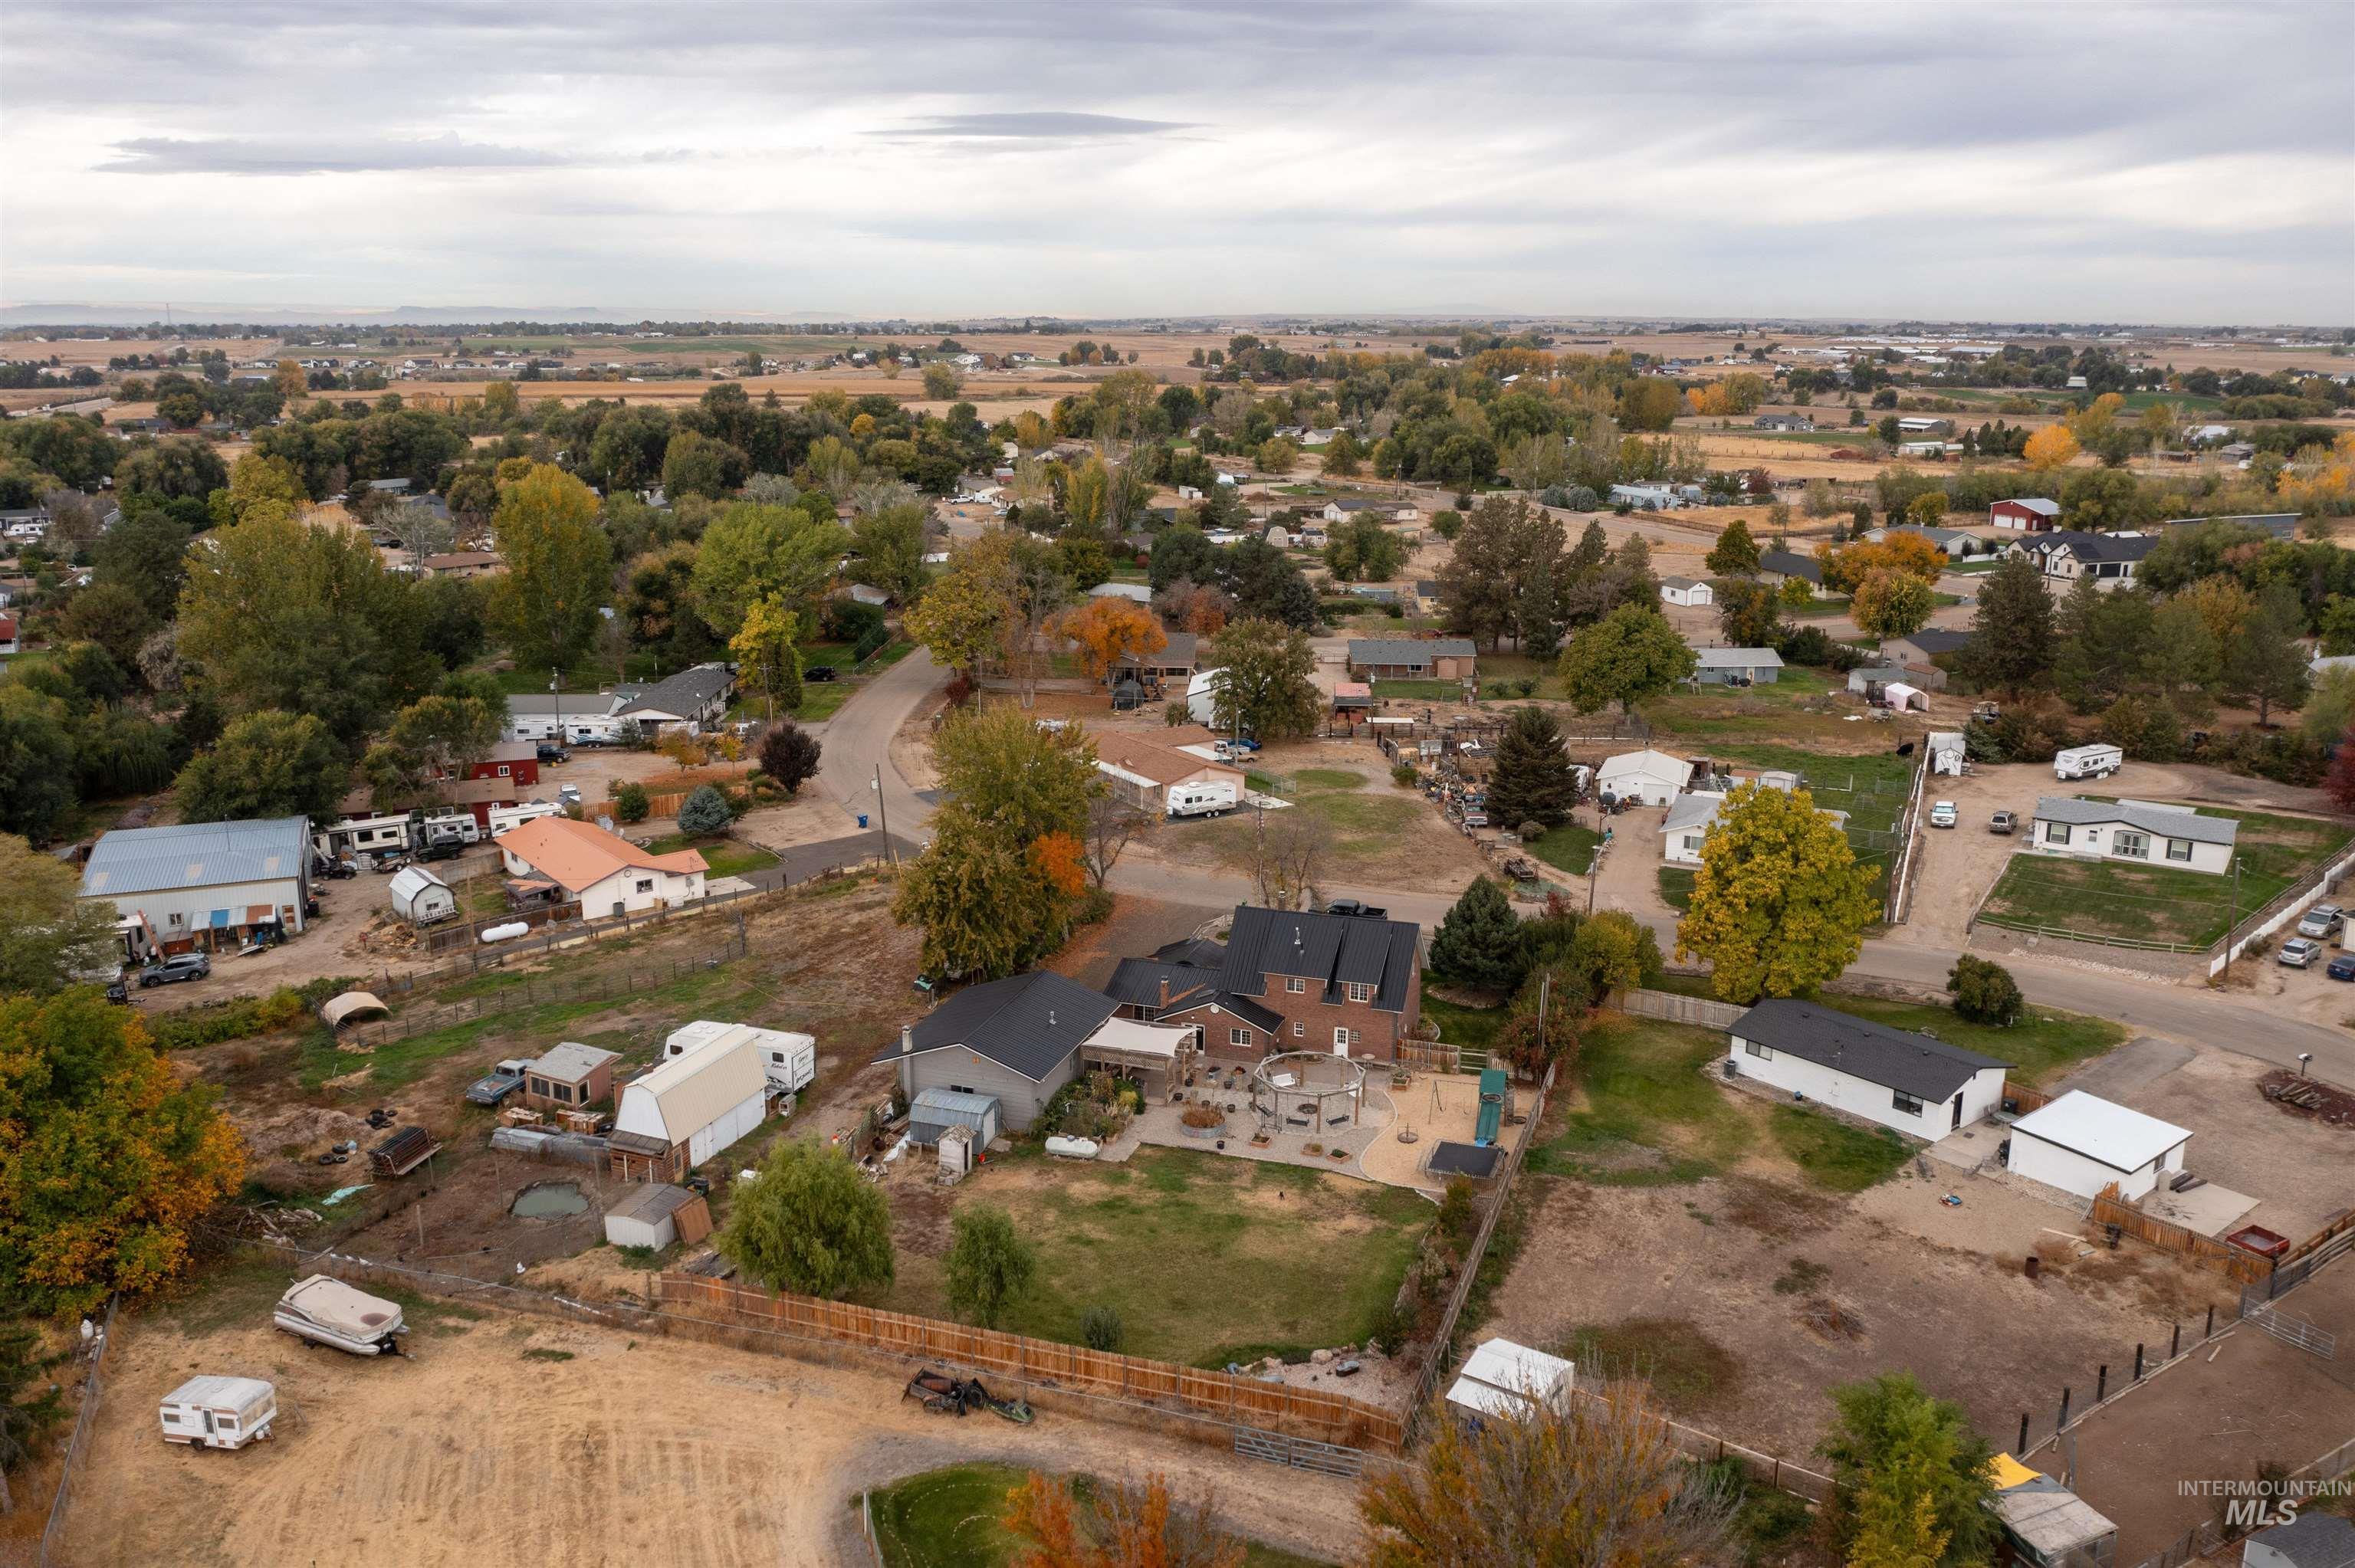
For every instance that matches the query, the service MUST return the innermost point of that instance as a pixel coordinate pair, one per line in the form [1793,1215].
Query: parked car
[2321,921]
[2299,953]
[2004,823]
[187,967]
[2341,968]
[818,673]
[336,870]
[568,795]
[1355,907]
[554,753]
[424,853]
[1945,814]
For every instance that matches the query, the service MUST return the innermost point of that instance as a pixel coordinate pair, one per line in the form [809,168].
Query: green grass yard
[724,856]
[1207,1259]
[1566,846]
[1677,888]
[2042,1047]
[954,1518]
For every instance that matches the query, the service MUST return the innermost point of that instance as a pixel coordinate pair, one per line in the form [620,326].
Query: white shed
[2081,1143]
[1647,778]
[1503,1379]
[1687,591]
[421,897]
[1947,751]
[650,1215]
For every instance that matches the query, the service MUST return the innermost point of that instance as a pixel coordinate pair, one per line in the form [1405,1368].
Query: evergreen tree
[1735,554]
[1478,942]
[1533,781]
[2011,632]
[2265,665]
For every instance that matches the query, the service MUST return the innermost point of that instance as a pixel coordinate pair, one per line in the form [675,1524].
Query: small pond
[549,1201]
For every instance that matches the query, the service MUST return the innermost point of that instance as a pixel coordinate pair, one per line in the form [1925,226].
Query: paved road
[858,738]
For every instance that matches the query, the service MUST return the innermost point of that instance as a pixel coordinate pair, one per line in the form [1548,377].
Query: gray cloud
[309,155]
[1033,125]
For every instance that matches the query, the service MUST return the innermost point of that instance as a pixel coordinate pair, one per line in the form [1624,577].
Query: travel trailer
[209,1412]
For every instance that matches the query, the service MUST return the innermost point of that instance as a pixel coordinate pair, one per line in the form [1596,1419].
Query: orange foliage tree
[1110,629]
[1129,1526]
[107,1158]
[1063,860]
[1910,553]
[2050,447]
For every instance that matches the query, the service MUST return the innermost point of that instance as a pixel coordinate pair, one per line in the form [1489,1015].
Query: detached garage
[2081,1144]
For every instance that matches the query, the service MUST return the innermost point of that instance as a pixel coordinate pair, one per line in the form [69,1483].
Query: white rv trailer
[326,1311]
[209,1412]
[788,1059]
[1204,798]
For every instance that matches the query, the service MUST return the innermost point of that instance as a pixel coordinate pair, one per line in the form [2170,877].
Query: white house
[202,884]
[1687,824]
[695,698]
[687,1109]
[1687,591]
[1912,1083]
[1644,777]
[2081,1144]
[609,875]
[1947,751]
[2136,830]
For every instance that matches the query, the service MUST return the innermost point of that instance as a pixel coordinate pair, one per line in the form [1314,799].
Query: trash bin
[862,819]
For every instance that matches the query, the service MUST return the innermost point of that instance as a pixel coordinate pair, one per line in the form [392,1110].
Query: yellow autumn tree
[107,1158]
[2051,448]
[1780,903]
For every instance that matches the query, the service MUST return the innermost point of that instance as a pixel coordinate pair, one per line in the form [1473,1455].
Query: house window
[503,770]
[1763,1053]
[1905,1102]
[2134,845]
[2179,849]
[1360,992]
[2056,832]
[1298,1029]
[560,1093]
[1239,1037]
[1295,985]
[539,1087]
[645,884]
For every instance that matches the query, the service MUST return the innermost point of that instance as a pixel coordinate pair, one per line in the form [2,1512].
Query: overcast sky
[2055,161]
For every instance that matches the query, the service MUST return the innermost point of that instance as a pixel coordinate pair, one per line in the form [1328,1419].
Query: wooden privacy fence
[1678,1008]
[2206,1251]
[1222,1397]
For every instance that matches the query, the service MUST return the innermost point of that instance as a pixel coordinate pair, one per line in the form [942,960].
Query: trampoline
[1465,1159]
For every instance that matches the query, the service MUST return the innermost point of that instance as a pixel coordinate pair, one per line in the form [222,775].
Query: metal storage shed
[658,1214]
[1501,1378]
[2081,1143]
[422,897]
[934,1111]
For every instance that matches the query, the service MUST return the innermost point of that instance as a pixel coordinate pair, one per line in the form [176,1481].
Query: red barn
[2031,515]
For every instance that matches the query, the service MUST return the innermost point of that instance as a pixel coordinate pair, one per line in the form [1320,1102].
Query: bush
[1101,1329]
[236,1018]
[1985,992]
[705,812]
[789,756]
[1582,499]
[1390,1329]
[629,803]
[844,620]
[1202,1113]
[1459,1213]
[1404,775]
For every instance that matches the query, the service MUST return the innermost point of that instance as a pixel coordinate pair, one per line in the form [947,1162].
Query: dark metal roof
[1791,564]
[1935,640]
[1137,982]
[1916,1064]
[1198,952]
[1026,1023]
[1334,949]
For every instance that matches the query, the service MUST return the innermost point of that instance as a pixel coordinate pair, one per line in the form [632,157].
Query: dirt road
[509,1433]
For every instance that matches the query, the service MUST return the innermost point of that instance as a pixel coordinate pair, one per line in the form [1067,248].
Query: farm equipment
[946,1395]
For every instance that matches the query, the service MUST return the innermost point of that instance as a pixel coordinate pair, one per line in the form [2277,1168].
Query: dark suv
[187,967]
[554,754]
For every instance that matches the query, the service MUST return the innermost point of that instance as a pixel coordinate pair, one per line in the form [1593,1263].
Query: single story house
[1413,659]
[2068,554]
[1016,1040]
[1952,543]
[1800,422]
[1654,497]
[1687,826]
[569,1077]
[2312,1540]
[1175,661]
[695,698]
[202,884]
[607,873]
[1687,591]
[672,1119]
[1148,775]
[655,1214]
[1644,777]
[2081,1144]
[1913,1083]
[1923,649]
[1778,566]
[2133,830]
[1736,666]
[1430,596]
[8,636]
[462,564]
[1136,593]
[1946,750]
[2026,515]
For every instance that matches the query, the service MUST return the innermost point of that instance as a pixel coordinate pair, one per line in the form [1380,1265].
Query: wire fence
[93,1386]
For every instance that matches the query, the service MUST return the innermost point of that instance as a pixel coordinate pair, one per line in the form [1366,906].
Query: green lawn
[1837,1156]
[2042,1047]
[953,1518]
[1207,1259]
[1420,691]
[1677,888]
[724,856]
[1566,846]
[1871,788]
[1472,1028]
[1365,825]
[1823,607]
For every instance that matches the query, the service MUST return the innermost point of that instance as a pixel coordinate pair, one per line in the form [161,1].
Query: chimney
[907,1040]
[1165,990]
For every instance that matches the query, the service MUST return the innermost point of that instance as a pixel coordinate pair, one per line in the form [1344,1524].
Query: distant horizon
[2109,161]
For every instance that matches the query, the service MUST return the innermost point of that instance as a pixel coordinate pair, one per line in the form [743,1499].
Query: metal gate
[1300,1453]
[2295,1331]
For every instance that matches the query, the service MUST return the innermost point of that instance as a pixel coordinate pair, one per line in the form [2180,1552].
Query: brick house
[1413,659]
[1294,981]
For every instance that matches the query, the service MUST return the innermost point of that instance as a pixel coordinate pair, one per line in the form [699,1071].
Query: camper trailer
[1204,798]
[325,1311]
[789,1059]
[2087,762]
[209,1412]
[505,818]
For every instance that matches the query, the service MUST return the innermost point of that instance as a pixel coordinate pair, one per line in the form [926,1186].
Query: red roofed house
[2031,514]
[609,875]
[7,635]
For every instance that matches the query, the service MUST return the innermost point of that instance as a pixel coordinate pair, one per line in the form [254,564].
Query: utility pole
[883,816]
[555,689]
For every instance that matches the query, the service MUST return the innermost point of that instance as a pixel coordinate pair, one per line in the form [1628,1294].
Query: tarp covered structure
[338,1011]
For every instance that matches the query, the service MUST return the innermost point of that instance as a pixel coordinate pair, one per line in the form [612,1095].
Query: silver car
[2322,920]
[2299,953]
